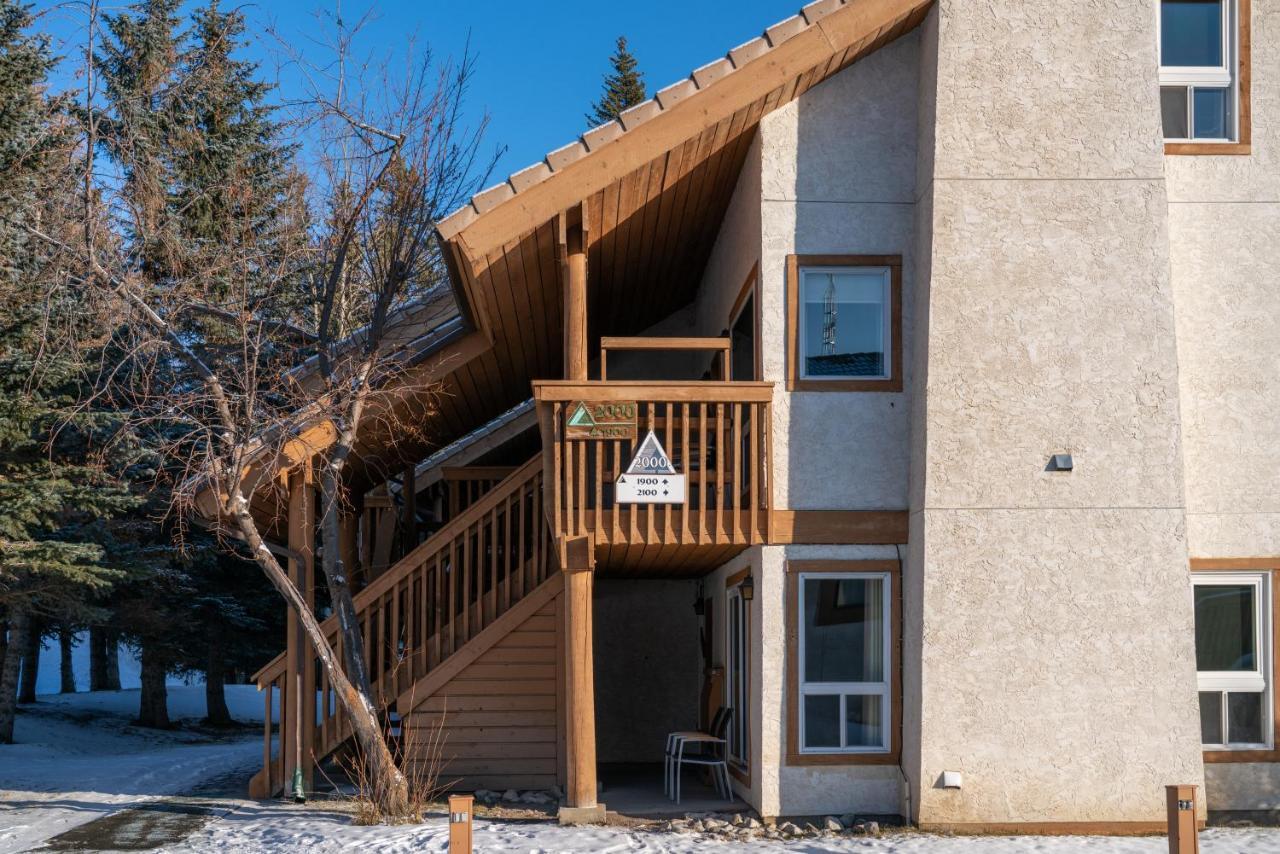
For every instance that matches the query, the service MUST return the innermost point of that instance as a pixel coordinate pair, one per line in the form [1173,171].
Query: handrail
[683,391]
[384,582]
[717,345]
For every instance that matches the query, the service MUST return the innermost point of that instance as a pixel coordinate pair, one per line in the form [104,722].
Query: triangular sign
[581,417]
[651,458]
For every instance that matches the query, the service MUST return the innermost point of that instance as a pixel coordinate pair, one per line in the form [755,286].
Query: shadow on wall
[648,666]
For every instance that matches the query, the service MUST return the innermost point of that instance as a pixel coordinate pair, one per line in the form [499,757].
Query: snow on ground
[78,758]
[278,827]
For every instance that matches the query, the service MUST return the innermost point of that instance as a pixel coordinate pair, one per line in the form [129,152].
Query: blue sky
[540,63]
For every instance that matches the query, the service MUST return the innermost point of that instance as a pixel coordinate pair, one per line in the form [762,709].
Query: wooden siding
[500,716]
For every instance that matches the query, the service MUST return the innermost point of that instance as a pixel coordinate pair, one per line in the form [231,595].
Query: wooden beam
[580,697]
[838,527]
[574,287]
[299,701]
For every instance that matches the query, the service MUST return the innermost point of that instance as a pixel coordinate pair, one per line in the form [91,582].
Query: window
[737,676]
[845,323]
[844,689]
[1233,660]
[1203,71]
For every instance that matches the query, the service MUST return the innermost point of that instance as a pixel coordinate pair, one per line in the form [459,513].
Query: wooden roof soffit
[823,30]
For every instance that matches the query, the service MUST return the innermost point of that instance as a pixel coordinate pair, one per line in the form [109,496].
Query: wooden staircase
[427,621]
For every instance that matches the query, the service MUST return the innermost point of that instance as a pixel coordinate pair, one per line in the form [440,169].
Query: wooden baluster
[466,584]
[266,735]
[597,451]
[668,529]
[580,491]
[687,458]
[719,536]
[650,536]
[570,496]
[753,501]
[702,472]
[735,487]
[557,474]
[452,606]
[615,471]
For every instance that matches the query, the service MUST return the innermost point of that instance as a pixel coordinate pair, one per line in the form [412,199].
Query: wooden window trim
[1271,565]
[794,569]
[748,288]
[739,771]
[1243,145]
[893,383]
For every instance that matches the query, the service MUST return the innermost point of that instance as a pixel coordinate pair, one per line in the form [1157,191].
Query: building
[958,321]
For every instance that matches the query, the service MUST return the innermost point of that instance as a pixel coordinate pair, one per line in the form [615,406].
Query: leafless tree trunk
[215,694]
[30,662]
[9,673]
[153,700]
[66,643]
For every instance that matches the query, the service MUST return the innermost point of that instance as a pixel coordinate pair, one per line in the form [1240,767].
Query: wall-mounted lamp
[748,588]
[699,604]
[1060,462]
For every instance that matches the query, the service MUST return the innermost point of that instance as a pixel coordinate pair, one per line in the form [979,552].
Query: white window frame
[842,689]
[739,749]
[1206,77]
[886,303]
[1257,681]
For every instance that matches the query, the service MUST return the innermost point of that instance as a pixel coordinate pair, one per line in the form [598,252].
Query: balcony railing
[716,435]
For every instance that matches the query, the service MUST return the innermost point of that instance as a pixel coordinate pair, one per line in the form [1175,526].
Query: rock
[832,824]
[558,791]
[873,828]
[866,828]
[810,829]
[788,829]
[738,820]
[511,795]
[848,819]
[714,825]
[753,824]
[485,795]
[540,798]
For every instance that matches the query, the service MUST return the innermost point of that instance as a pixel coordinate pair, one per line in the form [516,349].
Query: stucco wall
[647,666]
[838,177]
[1054,614]
[777,789]
[1224,235]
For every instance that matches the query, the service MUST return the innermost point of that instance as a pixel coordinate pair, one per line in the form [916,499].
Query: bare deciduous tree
[230,354]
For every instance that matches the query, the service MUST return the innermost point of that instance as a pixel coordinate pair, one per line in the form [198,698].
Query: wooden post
[574,278]
[461,809]
[580,698]
[299,656]
[348,533]
[409,505]
[1181,802]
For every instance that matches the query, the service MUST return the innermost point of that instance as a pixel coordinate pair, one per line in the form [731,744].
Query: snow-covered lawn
[79,760]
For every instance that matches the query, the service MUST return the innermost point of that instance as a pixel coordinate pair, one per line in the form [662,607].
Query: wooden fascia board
[631,150]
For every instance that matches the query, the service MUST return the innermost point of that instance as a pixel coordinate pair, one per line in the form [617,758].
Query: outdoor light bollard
[1182,820]
[460,823]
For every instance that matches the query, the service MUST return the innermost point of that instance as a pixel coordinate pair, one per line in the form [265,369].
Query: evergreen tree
[55,485]
[623,87]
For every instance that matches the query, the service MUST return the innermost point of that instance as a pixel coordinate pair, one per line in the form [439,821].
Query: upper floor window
[1233,659]
[1200,91]
[845,323]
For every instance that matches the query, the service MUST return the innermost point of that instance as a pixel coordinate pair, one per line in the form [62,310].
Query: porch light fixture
[699,606]
[748,589]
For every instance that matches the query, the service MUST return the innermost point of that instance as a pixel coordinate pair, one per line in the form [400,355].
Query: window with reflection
[1233,661]
[1199,91]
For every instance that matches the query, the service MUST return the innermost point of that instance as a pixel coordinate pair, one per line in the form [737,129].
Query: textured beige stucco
[1224,235]
[838,177]
[1051,612]
[777,789]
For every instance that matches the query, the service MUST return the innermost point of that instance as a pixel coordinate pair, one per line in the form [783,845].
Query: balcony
[715,434]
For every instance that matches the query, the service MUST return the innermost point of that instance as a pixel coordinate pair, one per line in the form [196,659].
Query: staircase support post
[300,679]
[580,697]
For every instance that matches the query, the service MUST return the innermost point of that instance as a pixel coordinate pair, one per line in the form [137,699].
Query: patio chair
[712,751]
[673,741]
